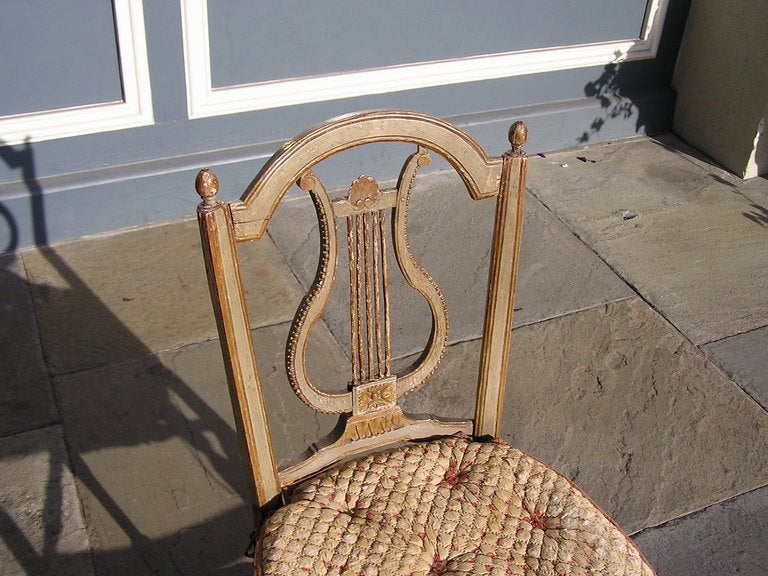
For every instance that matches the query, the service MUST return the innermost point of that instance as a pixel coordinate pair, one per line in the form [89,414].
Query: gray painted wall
[65,188]
[371,33]
[57,55]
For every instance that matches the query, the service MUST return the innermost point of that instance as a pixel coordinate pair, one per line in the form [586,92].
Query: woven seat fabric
[449,506]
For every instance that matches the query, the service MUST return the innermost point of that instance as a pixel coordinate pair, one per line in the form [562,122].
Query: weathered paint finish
[374,418]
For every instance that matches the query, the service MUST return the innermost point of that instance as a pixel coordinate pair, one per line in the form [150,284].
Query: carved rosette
[364,193]
[374,396]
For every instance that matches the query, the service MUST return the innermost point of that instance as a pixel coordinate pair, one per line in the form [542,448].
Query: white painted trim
[134,110]
[203,100]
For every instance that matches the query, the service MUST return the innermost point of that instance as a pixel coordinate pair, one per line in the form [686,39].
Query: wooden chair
[393,493]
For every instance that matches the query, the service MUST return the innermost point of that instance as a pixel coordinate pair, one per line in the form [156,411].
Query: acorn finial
[207,185]
[518,135]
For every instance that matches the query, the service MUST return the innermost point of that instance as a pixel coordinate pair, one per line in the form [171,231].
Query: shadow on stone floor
[100,418]
[42,531]
[644,421]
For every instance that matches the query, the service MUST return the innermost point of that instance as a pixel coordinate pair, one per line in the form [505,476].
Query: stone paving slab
[601,386]
[26,401]
[744,358]
[156,456]
[103,300]
[756,190]
[450,235]
[727,538]
[620,402]
[42,531]
[671,226]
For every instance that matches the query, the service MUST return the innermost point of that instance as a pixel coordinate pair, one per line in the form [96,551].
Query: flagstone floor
[639,367]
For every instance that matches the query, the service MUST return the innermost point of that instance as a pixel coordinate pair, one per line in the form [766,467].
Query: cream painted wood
[228,299]
[318,530]
[410,430]
[480,173]
[373,417]
[501,290]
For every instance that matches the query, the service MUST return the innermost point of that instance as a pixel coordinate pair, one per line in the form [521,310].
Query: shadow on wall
[23,159]
[13,230]
[150,412]
[616,103]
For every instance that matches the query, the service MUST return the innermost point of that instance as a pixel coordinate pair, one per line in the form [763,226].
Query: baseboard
[68,206]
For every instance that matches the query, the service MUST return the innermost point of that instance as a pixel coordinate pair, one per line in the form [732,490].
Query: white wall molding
[134,110]
[203,100]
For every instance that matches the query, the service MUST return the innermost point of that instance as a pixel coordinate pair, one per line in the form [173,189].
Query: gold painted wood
[376,421]
[363,208]
[500,304]
[371,416]
[418,279]
[370,432]
[231,313]
[480,173]
[312,307]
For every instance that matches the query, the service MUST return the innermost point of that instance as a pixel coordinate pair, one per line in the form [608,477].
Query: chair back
[372,217]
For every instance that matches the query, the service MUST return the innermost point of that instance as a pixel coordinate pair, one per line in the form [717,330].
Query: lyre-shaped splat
[365,211]
[375,390]
[374,418]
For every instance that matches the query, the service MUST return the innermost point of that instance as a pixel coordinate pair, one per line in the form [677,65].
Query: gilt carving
[375,395]
[364,193]
[207,186]
[375,419]
[312,307]
[418,279]
[372,425]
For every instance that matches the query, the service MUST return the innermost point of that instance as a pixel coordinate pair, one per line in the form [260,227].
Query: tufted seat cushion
[449,506]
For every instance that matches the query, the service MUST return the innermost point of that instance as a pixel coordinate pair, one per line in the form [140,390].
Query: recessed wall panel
[260,41]
[57,55]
